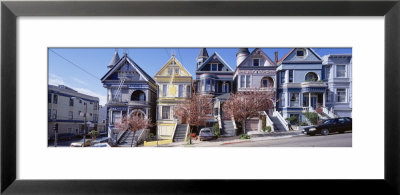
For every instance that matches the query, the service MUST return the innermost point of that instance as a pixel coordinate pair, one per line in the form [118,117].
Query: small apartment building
[66,107]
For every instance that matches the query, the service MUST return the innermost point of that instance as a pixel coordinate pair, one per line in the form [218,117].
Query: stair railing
[175,126]
[187,132]
[280,118]
[329,113]
[268,121]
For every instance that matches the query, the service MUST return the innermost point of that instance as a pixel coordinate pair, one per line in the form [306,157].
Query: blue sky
[82,68]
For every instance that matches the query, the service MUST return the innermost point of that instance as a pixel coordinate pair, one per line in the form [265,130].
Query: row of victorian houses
[302,81]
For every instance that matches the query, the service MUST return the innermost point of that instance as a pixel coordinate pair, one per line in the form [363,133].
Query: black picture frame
[10,10]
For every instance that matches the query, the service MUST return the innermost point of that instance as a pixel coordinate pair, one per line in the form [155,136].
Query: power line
[179,52]
[74,64]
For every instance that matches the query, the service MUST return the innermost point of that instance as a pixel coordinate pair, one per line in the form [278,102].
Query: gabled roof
[121,62]
[173,59]
[262,53]
[215,54]
[295,49]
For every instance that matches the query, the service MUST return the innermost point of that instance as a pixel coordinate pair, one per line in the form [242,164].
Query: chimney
[276,57]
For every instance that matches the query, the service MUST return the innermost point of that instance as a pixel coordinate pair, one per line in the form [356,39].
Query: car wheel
[311,134]
[324,131]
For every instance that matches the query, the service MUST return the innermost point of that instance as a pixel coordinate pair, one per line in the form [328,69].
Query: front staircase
[278,126]
[126,139]
[180,133]
[227,128]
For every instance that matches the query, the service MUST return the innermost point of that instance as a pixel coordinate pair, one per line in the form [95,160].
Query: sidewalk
[259,136]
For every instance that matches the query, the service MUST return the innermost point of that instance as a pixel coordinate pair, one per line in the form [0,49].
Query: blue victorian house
[129,90]
[300,86]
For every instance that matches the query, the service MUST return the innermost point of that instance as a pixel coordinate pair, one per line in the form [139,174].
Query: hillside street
[332,140]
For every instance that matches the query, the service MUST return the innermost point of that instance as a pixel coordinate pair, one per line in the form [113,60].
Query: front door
[314,99]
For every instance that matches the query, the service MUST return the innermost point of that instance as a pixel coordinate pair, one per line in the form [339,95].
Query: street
[332,140]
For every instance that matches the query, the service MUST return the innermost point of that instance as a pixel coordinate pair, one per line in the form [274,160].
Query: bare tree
[197,110]
[245,105]
[133,122]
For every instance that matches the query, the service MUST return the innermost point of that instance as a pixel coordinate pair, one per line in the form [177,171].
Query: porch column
[309,100]
[323,99]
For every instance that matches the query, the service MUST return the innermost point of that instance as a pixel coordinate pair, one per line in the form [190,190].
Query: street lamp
[84,120]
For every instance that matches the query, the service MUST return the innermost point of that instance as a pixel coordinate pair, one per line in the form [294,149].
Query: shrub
[312,117]
[245,136]
[93,134]
[216,130]
[293,120]
[303,124]
[268,128]
[264,123]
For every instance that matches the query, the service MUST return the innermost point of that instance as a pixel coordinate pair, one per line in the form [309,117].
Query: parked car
[327,126]
[88,142]
[101,145]
[206,134]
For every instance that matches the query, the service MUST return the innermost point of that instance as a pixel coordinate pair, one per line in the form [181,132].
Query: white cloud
[102,98]
[79,81]
[57,80]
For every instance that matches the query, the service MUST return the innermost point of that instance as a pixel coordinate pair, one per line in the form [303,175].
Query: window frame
[290,99]
[345,95]
[345,71]
[259,61]
[165,112]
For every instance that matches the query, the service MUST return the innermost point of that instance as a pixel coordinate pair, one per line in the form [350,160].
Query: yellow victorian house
[174,86]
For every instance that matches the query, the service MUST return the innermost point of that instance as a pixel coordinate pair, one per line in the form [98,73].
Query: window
[283,100]
[341,95]
[91,102]
[301,52]
[311,76]
[116,115]
[327,72]
[164,90]
[290,76]
[80,101]
[188,91]
[256,62]
[341,71]
[94,117]
[49,98]
[70,115]
[242,81]
[247,81]
[294,99]
[54,114]
[55,99]
[180,91]
[95,106]
[165,112]
[49,114]
[282,77]
[170,71]
[176,70]
[214,67]
[209,84]
[71,102]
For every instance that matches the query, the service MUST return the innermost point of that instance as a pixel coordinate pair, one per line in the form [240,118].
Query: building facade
[129,90]
[300,86]
[174,86]
[307,83]
[66,107]
[255,71]
[337,73]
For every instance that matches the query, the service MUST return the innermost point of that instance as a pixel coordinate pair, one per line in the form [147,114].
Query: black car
[329,126]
